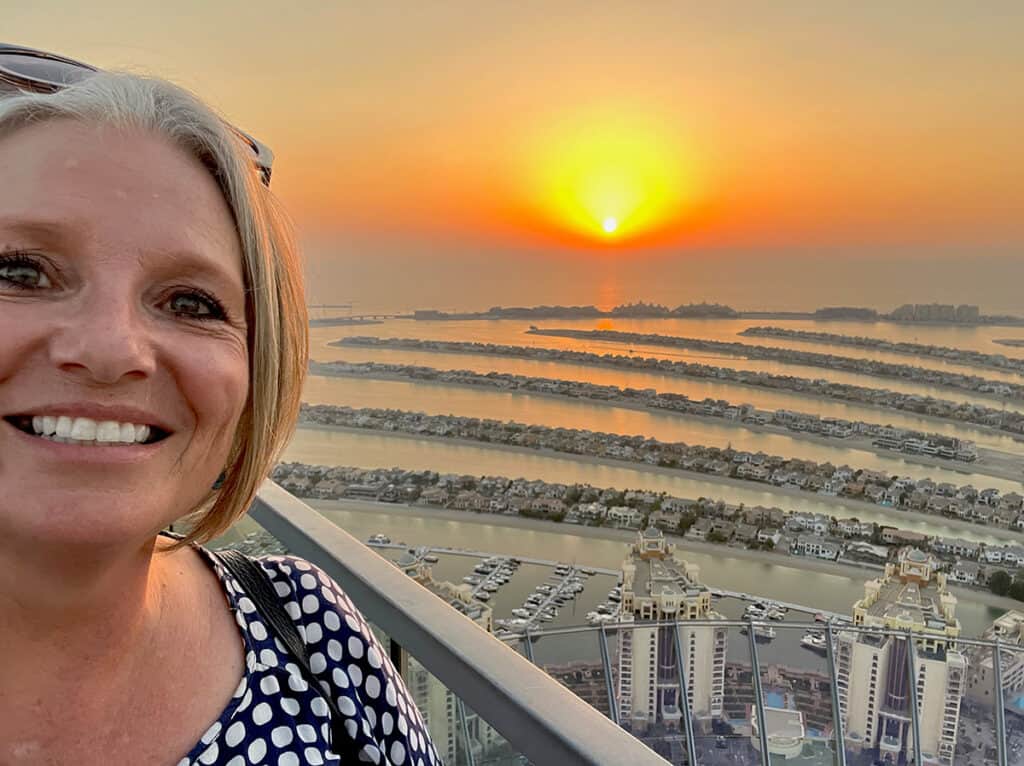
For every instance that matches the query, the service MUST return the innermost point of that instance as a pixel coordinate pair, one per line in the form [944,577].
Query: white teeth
[108,431]
[83,429]
[86,431]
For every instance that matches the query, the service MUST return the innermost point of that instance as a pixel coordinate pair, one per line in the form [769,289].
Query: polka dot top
[276,718]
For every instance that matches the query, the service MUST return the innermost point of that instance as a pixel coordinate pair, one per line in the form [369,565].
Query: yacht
[814,641]
[761,632]
[379,539]
[482,596]
[522,613]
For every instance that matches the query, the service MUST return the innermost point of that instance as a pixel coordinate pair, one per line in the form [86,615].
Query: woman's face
[123,359]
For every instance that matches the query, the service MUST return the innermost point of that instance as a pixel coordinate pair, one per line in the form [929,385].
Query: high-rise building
[656,586]
[438,705]
[875,670]
[1009,631]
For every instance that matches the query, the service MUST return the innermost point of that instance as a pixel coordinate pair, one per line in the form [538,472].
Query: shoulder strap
[258,587]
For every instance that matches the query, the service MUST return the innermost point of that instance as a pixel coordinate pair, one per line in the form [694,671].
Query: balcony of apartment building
[508,703]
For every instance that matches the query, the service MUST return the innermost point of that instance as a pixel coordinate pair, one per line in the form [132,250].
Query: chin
[93,518]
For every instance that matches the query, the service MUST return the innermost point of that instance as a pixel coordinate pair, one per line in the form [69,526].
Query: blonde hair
[275,303]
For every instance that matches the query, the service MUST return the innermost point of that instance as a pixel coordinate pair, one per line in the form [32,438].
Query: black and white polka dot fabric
[276,718]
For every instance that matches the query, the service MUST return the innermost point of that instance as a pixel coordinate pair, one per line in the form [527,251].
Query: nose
[103,341]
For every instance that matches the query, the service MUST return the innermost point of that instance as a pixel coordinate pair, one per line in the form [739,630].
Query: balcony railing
[813,708]
[537,716]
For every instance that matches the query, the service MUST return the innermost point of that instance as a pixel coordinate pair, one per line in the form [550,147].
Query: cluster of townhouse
[946,353]
[794,533]
[884,436]
[939,377]
[965,412]
[987,506]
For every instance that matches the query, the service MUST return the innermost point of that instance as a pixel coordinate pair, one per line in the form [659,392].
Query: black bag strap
[258,587]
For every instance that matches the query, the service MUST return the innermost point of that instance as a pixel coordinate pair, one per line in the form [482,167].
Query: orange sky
[780,124]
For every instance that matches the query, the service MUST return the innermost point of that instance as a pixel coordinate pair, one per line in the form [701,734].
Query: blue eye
[195,304]
[22,272]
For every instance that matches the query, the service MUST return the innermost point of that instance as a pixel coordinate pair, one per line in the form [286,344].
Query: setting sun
[602,174]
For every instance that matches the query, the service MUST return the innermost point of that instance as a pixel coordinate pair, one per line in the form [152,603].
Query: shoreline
[677,472]
[880,408]
[992,401]
[862,443]
[483,316]
[850,571]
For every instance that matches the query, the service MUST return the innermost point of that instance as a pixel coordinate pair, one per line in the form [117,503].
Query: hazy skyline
[789,133]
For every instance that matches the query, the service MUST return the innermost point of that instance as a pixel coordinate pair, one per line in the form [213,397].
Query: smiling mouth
[86,431]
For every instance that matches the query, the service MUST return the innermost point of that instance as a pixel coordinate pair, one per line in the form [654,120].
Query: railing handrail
[538,716]
[789,625]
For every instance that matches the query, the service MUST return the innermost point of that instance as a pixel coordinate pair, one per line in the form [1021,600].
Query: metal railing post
[684,697]
[613,709]
[529,647]
[460,706]
[762,723]
[997,678]
[837,713]
[915,717]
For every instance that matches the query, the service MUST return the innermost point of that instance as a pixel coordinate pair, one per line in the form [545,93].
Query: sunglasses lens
[35,68]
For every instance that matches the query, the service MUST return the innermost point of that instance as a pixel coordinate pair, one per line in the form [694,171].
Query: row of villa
[965,356]
[986,506]
[883,436]
[1000,418]
[704,520]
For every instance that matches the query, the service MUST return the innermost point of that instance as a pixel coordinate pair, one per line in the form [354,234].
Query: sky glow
[795,126]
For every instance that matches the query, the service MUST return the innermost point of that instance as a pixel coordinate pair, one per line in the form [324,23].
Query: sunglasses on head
[37,71]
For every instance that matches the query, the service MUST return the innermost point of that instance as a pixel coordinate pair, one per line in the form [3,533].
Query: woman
[154,341]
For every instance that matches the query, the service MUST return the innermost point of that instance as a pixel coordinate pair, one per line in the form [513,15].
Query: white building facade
[658,587]
[874,673]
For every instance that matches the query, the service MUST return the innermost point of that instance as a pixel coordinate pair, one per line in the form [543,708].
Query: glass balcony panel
[796,685]
[488,747]
[972,719]
[646,685]
[1012,677]
[725,734]
[574,659]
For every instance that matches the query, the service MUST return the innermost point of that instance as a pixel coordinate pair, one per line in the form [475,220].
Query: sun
[608,174]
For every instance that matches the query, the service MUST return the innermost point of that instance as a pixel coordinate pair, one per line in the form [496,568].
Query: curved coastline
[627,536]
[987,466]
[849,506]
[732,377]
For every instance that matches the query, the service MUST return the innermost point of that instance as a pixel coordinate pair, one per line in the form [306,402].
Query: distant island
[641,309]
[912,313]
[341,321]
